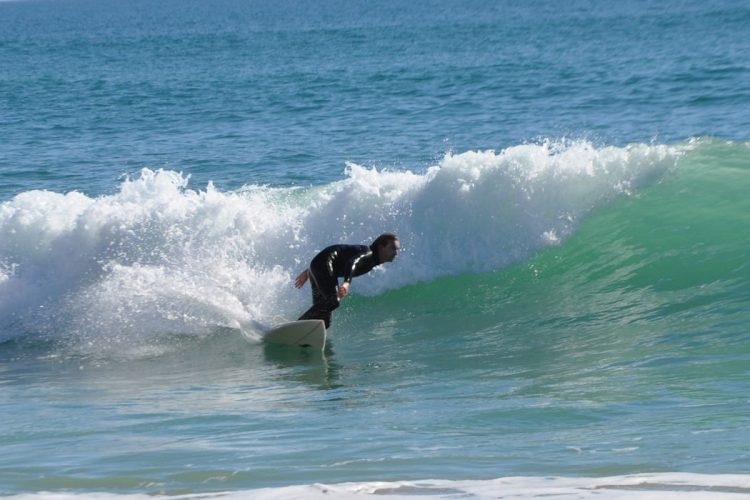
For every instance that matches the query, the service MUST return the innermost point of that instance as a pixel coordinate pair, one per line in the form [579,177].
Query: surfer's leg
[318,313]
[324,295]
[321,310]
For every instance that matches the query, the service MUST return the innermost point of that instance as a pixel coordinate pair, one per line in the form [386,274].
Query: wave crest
[160,257]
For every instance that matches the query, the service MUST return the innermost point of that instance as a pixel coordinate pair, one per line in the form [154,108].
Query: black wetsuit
[336,261]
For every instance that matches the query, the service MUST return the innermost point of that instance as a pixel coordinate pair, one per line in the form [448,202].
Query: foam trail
[637,486]
[157,257]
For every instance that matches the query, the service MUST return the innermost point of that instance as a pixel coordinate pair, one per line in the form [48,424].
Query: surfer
[342,261]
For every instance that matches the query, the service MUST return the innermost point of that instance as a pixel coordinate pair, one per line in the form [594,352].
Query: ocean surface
[570,312]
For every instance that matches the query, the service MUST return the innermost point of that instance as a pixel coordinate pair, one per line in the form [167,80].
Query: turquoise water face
[568,305]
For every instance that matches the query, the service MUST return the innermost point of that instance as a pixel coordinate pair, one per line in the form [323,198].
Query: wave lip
[480,211]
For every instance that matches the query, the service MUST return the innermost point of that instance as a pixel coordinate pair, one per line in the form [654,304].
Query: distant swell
[159,257]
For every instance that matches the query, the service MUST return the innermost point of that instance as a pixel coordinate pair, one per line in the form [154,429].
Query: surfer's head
[386,247]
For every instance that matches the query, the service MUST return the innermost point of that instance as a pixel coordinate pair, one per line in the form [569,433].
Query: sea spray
[157,257]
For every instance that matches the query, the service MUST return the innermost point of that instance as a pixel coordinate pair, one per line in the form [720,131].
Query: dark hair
[382,240]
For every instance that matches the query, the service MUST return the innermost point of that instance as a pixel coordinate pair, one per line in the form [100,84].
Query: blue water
[569,182]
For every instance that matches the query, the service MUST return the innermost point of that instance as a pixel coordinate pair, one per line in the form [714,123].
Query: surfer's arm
[301,279]
[350,270]
[360,264]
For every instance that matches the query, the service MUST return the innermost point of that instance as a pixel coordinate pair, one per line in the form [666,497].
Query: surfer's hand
[343,290]
[301,279]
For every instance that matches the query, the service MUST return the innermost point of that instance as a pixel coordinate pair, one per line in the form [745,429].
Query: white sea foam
[639,486]
[159,257]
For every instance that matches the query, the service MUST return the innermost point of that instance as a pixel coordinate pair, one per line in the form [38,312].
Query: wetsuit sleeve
[359,264]
[329,261]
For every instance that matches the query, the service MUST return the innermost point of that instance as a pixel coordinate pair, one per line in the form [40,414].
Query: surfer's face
[388,252]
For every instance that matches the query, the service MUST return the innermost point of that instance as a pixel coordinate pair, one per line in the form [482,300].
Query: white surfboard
[309,333]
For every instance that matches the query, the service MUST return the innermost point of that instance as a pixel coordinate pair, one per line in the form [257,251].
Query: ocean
[570,312]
